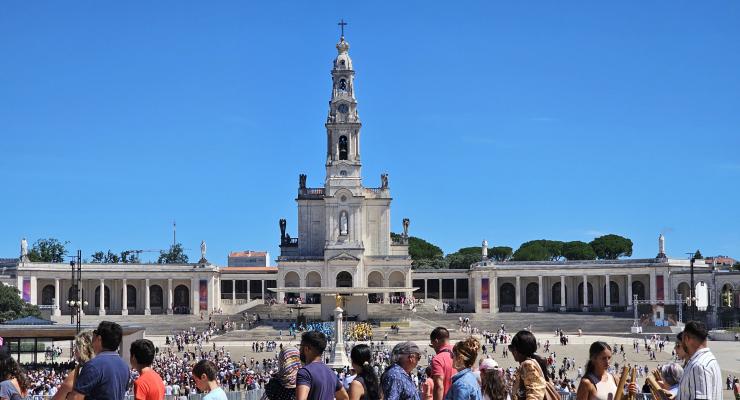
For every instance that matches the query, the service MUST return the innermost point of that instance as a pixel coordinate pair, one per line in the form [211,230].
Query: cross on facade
[342,24]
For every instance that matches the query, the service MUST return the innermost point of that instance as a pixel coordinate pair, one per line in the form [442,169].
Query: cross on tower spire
[342,24]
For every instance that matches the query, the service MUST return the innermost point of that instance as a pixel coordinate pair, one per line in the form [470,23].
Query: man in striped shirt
[702,378]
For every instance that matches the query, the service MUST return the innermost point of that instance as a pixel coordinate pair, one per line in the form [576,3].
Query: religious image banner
[203,294]
[659,287]
[27,289]
[485,295]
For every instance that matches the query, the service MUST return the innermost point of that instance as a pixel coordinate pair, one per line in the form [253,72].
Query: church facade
[344,228]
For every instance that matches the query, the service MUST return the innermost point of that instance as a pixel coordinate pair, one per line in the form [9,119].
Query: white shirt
[702,378]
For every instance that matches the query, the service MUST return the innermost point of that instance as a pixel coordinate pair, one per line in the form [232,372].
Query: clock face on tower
[343,108]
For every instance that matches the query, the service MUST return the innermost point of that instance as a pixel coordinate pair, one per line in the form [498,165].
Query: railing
[375,190]
[235,395]
[290,242]
[311,192]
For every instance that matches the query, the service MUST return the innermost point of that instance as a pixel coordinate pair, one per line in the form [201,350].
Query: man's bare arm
[301,392]
[75,395]
[439,387]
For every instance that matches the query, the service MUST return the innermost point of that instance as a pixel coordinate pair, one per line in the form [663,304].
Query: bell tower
[343,166]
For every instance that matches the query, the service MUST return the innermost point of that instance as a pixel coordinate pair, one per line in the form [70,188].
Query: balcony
[311,193]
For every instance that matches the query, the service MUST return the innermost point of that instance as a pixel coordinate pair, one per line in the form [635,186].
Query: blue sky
[505,121]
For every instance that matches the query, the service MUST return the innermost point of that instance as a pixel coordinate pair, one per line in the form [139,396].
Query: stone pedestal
[563,309]
[585,309]
[339,358]
[540,308]
[124,312]
[518,308]
[608,308]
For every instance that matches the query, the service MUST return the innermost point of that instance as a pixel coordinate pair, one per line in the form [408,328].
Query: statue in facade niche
[343,224]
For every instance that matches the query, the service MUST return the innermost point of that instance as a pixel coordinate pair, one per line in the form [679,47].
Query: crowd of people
[465,370]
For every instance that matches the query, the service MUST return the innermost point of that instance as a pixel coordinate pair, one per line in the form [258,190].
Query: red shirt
[442,366]
[149,386]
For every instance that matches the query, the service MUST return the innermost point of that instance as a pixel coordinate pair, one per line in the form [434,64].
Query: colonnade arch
[47,295]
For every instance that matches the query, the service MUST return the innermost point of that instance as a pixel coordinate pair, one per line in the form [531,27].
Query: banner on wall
[203,295]
[27,289]
[484,292]
[659,287]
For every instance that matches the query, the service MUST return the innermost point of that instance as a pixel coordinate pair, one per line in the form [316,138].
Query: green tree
[500,253]
[108,257]
[13,307]
[554,249]
[48,250]
[458,260]
[531,252]
[429,263]
[420,249]
[736,266]
[175,255]
[611,247]
[577,250]
[698,256]
[129,257]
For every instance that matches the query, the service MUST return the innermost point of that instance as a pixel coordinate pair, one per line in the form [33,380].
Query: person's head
[9,369]
[142,354]
[599,357]
[678,347]
[107,337]
[694,337]
[523,346]
[361,355]
[83,347]
[671,374]
[465,352]
[492,380]
[439,337]
[289,362]
[406,355]
[313,344]
[204,372]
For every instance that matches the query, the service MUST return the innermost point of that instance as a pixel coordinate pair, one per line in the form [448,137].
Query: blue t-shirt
[321,380]
[9,391]
[105,377]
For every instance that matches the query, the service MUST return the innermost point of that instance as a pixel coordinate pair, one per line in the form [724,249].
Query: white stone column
[211,293]
[233,292]
[629,292]
[169,296]
[477,285]
[124,298]
[585,292]
[147,307]
[194,296]
[518,297]
[607,293]
[540,304]
[493,295]
[441,297]
[386,295]
[263,291]
[56,311]
[101,310]
[34,290]
[653,287]
[426,289]
[563,300]
[454,291]
[249,288]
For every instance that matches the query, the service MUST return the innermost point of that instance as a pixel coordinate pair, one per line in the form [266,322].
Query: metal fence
[639,396]
[235,395]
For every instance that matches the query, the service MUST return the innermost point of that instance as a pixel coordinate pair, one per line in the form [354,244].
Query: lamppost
[692,295]
[76,302]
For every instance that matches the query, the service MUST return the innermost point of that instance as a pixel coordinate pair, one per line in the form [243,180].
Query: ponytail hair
[361,355]
[595,349]
[467,351]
